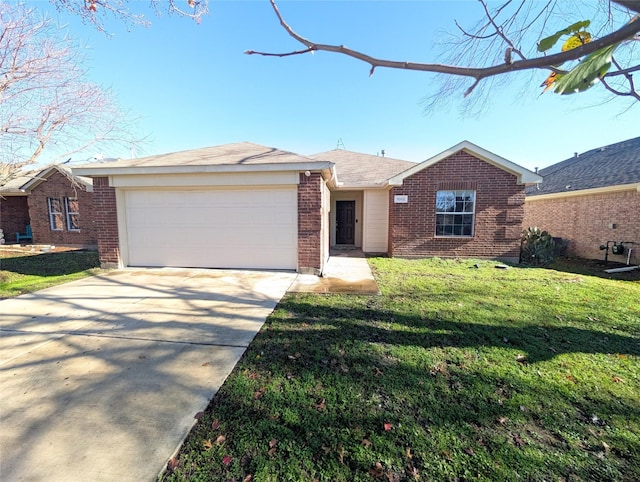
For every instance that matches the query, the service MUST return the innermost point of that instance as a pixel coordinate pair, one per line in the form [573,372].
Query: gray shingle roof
[355,169]
[611,165]
[240,153]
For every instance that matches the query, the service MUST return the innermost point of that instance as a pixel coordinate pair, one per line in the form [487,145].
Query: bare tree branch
[46,99]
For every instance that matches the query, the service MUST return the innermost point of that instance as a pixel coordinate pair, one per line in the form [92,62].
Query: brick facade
[14,216]
[310,223]
[106,222]
[59,186]
[585,221]
[499,211]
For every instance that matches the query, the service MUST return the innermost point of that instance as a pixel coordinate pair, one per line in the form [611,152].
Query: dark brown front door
[345,222]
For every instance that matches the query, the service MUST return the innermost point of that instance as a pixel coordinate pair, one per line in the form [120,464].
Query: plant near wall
[539,248]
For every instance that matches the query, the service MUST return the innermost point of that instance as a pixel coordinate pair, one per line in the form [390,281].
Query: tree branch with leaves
[578,66]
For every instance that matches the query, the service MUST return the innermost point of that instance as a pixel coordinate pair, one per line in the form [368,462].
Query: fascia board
[96,171]
[584,192]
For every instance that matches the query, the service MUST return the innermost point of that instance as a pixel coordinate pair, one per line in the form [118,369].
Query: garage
[213,228]
[240,205]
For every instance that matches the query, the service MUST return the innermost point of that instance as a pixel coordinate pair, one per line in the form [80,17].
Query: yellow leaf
[576,40]
[548,83]
[207,444]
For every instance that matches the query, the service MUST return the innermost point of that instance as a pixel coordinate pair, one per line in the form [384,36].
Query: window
[73,214]
[454,213]
[56,219]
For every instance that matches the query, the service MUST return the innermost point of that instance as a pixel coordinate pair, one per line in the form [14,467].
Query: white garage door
[222,228]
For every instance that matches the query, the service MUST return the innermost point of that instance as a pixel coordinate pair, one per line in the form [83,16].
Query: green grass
[23,272]
[454,373]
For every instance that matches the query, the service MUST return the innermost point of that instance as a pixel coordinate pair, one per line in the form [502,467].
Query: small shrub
[539,248]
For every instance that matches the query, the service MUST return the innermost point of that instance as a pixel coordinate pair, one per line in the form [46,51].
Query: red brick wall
[498,212]
[106,222]
[309,222]
[59,186]
[583,221]
[14,216]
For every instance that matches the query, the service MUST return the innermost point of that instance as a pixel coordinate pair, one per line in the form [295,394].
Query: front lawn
[455,373]
[24,272]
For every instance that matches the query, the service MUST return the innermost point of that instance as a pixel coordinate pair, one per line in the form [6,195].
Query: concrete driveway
[100,378]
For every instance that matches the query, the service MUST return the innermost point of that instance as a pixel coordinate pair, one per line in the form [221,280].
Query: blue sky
[192,86]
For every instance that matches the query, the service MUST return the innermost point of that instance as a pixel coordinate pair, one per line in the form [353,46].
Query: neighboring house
[57,205]
[248,206]
[590,199]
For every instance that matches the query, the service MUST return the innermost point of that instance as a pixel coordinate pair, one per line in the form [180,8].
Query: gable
[523,176]
[57,173]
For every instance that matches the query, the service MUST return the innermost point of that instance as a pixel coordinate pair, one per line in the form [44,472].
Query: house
[589,199]
[249,206]
[57,205]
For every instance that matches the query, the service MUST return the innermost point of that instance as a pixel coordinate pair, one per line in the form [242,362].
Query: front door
[345,222]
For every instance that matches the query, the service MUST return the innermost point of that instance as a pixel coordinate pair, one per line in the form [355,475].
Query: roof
[612,165]
[13,187]
[41,177]
[525,176]
[28,180]
[363,170]
[241,156]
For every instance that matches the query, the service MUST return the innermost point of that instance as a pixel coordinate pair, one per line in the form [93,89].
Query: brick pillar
[310,223]
[106,222]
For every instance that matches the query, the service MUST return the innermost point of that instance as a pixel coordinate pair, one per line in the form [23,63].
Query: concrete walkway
[100,378]
[346,272]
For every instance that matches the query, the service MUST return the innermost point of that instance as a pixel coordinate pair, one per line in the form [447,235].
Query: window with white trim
[455,212]
[56,217]
[73,213]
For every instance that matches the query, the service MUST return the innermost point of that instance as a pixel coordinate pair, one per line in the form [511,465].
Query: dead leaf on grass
[414,473]
[502,420]
[366,443]
[518,440]
[258,393]
[321,405]
[377,471]
[341,453]
[215,425]
[521,358]
[468,451]
[617,379]
[379,372]
[198,415]
[226,460]
[408,453]
[220,440]
[172,464]
[387,426]
[272,446]
[207,444]
[248,478]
